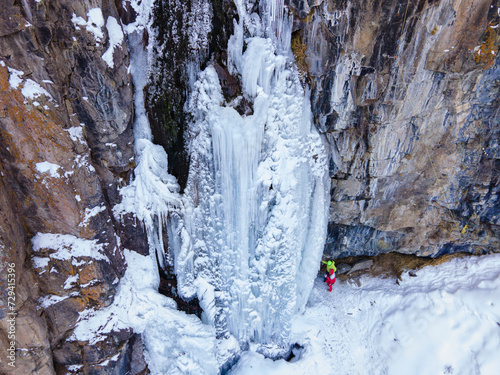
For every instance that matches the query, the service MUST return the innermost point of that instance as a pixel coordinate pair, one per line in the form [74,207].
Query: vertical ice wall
[175,342]
[252,233]
[153,193]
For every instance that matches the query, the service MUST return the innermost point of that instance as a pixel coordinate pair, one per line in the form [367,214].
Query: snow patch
[67,246]
[15,77]
[70,281]
[78,263]
[173,340]
[32,90]
[94,23]
[39,262]
[29,88]
[115,40]
[90,213]
[82,161]
[50,300]
[50,168]
[76,134]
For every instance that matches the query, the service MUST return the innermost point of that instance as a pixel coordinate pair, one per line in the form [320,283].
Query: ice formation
[175,342]
[153,193]
[247,236]
[251,235]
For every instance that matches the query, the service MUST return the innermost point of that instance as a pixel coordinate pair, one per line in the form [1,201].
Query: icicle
[277,23]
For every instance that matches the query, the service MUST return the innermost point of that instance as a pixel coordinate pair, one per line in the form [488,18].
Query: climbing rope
[464,229]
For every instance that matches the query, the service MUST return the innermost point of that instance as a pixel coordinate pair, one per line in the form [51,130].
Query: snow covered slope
[444,321]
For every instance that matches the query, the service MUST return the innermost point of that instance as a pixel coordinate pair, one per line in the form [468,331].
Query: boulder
[360,266]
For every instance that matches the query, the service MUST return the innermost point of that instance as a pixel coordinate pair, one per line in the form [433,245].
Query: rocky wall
[407,95]
[188,34]
[66,148]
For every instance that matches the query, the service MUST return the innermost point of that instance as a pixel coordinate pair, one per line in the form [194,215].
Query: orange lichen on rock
[299,50]
[89,273]
[91,280]
[487,52]
[31,137]
[96,293]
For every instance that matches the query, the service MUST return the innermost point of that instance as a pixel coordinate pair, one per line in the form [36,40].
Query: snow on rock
[83,161]
[50,300]
[70,281]
[15,77]
[32,90]
[94,23]
[175,342]
[444,321]
[39,262]
[90,213]
[50,168]
[115,40]
[29,88]
[76,134]
[67,246]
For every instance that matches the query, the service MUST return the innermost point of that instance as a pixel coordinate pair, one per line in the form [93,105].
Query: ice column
[278,23]
[251,237]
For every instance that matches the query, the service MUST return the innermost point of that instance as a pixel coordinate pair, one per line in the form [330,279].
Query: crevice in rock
[168,287]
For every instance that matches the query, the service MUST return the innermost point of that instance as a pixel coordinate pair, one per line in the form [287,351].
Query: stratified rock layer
[66,148]
[408,98]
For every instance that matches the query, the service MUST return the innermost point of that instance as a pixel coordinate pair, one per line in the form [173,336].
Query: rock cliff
[66,148]
[407,95]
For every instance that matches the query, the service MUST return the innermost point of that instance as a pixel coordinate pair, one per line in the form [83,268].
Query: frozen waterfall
[249,241]
[247,236]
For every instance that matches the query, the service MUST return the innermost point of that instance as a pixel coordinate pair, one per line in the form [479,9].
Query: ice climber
[330,279]
[330,274]
[330,265]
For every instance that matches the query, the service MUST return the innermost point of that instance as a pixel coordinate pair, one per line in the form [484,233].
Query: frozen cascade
[278,23]
[249,241]
[248,234]
[153,193]
[175,342]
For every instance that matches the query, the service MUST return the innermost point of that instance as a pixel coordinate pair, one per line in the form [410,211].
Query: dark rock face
[66,148]
[188,34]
[407,96]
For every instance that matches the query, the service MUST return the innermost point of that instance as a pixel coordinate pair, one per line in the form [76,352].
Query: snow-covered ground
[444,321]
